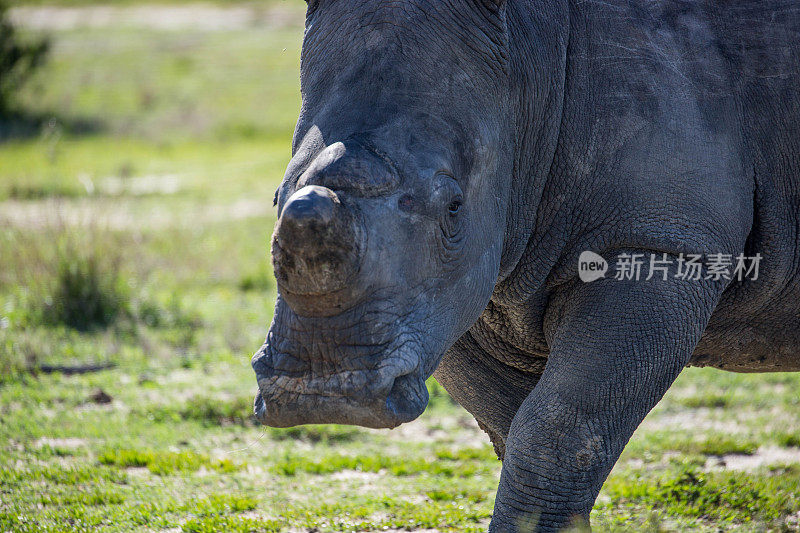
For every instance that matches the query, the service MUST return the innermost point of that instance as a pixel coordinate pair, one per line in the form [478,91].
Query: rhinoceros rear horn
[316,247]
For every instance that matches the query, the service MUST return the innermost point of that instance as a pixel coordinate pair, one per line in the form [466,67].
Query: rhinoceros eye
[452,236]
[454,207]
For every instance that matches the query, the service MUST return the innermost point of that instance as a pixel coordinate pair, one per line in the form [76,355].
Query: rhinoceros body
[452,162]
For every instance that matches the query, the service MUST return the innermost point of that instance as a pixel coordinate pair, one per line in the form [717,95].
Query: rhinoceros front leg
[616,347]
[489,389]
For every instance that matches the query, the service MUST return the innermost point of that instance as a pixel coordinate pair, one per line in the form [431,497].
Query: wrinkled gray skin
[453,158]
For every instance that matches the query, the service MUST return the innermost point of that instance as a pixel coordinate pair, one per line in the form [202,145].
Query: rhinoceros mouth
[390,394]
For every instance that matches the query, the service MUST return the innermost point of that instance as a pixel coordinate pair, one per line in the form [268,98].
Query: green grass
[153,156]
[84,3]
[788,440]
[234,524]
[445,464]
[164,463]
[727,497]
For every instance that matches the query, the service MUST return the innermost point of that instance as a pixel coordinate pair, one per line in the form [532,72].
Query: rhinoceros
[458,165]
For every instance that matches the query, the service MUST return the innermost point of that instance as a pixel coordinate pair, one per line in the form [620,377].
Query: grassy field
[104,3]
[137,185]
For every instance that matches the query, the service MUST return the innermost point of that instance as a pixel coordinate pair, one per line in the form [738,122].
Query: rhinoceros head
[392,211]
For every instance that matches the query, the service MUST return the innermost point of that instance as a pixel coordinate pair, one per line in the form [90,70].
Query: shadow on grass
[19,125]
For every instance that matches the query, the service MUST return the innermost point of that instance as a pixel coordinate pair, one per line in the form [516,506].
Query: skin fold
[452,160]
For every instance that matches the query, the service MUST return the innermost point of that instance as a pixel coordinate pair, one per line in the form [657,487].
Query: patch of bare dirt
[691,418]
[763,457]
[416,530]
[355,475]
[121,214]
[69,443]
[361,482]
[458,430]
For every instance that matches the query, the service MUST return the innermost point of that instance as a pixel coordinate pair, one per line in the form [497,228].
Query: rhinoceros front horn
[315,248]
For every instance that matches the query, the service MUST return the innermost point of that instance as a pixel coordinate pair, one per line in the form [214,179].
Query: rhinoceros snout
[293,391]
[316,247]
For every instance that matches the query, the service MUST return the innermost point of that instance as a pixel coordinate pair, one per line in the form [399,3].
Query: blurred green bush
[19,58]
[87,291]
